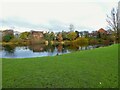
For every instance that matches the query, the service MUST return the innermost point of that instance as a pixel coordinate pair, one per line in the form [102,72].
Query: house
[16,34]
[102,31]
[8,32]
[94,34]
[59,37]
[37,35]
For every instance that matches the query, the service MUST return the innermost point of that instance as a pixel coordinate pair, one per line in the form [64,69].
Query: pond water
[39,50]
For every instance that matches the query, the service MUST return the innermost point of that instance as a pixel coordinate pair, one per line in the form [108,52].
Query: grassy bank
[83,69]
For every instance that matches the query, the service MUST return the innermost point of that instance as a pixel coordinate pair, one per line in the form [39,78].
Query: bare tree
[71,27]
[113,23]
[113,19]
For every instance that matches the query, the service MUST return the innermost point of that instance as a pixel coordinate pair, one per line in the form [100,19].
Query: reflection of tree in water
[89,47]
[61,48]
[1,48]
[83,48]
[37,47]
[73,48]
[50,48]
[9,49]
[64,50]
[41,48]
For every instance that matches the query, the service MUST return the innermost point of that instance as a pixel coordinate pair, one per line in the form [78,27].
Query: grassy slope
[80,69]
[0,73]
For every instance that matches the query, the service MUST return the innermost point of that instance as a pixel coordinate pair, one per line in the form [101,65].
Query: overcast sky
[55,15]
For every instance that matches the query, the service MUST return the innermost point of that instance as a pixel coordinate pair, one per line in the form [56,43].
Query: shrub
[7,38]
[93,41]
[106,42]
[71,36]
[81,41]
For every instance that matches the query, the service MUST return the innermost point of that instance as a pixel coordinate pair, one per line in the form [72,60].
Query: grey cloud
[52,25]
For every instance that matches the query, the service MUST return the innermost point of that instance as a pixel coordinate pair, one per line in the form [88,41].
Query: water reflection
[36,50]
[9,50]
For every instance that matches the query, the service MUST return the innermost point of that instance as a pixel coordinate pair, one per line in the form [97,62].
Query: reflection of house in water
[59,48]
[37,48]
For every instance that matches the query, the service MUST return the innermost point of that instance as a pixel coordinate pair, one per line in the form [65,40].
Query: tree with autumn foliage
[71,36]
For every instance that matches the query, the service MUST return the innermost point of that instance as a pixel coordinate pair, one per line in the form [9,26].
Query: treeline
[72,37]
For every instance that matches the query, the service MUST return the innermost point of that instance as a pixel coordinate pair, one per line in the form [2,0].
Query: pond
[9,51]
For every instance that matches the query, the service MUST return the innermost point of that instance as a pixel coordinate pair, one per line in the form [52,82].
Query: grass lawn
[83,69]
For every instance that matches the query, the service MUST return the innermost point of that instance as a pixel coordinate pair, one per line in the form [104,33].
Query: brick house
[102,31]
[8,32]
[37,35]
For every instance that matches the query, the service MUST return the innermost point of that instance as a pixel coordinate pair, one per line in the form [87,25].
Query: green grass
[82,69]
[0,73]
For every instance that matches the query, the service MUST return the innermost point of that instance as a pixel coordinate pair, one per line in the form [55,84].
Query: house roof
[36,32]
[101,30]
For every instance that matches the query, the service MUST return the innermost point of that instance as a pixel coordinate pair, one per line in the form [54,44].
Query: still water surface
[39,50]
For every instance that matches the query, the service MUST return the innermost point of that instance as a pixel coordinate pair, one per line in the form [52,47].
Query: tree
[24,35]
[52,36]
[81,34]
[7,37]
[86,34]
[71,27]
[113,23]
[81,41]
[46,36]
[77,32]
[64,35]
[49,36]
[71,35]
[99,35]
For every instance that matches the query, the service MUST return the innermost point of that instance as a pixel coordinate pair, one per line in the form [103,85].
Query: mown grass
[96,68]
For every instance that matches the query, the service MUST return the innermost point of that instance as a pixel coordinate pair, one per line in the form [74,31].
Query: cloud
[52,25]
[55,16]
